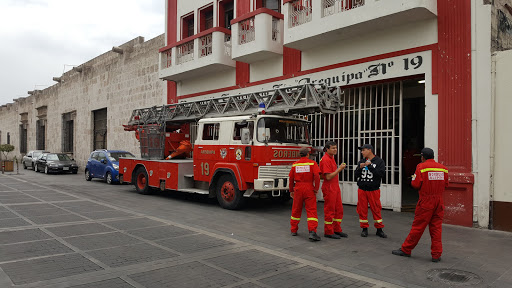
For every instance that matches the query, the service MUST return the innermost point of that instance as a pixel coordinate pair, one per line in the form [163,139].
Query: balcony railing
[247,31]
[227,45]
[185,52]
[301,12]
[331,7]
[276,29]
[206,45]
[258,36]
[327,21]
[203,53]
[166,59]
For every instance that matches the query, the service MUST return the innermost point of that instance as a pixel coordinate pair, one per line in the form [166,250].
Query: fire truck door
[239,153]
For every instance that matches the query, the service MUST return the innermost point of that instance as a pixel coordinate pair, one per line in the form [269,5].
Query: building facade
[413,73]
[86,108]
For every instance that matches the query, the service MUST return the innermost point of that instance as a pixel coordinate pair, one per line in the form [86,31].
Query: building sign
[400,66]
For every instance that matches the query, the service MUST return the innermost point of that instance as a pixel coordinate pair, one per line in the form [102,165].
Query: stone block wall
[501,25]
[118,82]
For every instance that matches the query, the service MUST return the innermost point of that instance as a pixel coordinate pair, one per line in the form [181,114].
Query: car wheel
[24,166]
[74,171]
[87,175]
[45,169]
[108,178]
[37,168]
[33,167]
[142,181]
[228,195]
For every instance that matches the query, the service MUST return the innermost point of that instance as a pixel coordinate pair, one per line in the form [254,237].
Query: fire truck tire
[228,195]
[142,181]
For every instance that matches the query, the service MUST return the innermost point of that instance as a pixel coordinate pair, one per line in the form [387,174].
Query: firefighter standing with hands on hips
[304,184]
[431,178]
[369,173]
[333,208]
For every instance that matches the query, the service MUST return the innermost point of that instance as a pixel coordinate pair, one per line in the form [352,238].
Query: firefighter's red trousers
[333,209]
[303,194]
[363,199]
[429,211]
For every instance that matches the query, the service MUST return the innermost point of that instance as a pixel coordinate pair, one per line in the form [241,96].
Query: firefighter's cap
[427,153]
[366,146]
[303,152]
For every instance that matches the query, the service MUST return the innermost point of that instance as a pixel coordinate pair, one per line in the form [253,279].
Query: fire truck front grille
[273,172]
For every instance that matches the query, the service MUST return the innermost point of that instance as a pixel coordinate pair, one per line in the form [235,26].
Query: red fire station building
[407,70]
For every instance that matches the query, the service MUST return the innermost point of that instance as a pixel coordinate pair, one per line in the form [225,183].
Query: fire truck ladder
[302,99]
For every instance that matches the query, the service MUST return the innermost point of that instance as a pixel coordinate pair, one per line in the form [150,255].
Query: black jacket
[369,180]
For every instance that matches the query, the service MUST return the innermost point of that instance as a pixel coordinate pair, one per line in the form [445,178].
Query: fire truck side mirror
[246,136]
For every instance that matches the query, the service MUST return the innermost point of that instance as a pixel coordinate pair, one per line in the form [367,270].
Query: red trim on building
[242,7]
[256,12]
[329,67]
[286,1]
[292,61]
[172,14]
[172,37]
[455,114]
[209,31]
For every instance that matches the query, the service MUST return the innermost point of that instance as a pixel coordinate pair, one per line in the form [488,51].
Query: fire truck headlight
[268,184]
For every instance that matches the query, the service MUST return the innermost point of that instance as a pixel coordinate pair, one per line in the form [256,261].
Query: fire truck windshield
[279,130]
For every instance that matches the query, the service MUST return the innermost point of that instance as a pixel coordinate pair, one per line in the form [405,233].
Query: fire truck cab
[233,158]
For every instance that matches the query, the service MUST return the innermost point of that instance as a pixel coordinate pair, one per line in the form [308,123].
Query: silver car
[30,159]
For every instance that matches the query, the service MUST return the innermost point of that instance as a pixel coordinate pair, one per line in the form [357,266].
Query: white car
[30,159]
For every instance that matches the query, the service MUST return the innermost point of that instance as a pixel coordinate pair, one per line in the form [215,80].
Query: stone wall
[501,25]
[118,82]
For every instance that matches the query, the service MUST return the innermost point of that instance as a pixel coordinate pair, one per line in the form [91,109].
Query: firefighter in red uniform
[304,184]
[369,173]
[431,178]
[333,208]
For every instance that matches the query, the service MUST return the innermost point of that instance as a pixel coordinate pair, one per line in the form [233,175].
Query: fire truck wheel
[228,195]
[141,181]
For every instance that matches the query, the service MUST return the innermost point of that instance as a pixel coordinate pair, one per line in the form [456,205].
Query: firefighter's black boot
[381,233]
[332,236]
[364,233]
[341,234]
[313,236]
[399,252]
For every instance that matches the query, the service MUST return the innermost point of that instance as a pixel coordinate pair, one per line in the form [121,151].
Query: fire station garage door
[371,115]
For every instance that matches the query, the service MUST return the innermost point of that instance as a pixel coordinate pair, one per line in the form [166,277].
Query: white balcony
[207,52]
[257,36]
[309,23]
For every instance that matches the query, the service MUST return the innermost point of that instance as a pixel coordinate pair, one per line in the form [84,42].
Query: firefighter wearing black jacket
[369,173]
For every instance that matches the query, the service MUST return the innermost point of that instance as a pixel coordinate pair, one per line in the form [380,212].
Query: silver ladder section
[302,99]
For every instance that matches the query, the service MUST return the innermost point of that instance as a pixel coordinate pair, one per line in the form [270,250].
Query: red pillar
[172,21]
[453,86]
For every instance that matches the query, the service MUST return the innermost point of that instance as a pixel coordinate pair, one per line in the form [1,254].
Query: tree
[6,149]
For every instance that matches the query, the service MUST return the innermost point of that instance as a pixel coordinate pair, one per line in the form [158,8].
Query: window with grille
[23,138]
[100,129]
[41,134]
[68,132]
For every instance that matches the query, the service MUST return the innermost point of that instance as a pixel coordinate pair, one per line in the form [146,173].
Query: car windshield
[280,130]
[114,156]
[58,157]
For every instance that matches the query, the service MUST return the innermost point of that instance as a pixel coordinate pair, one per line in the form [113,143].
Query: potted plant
[7,165]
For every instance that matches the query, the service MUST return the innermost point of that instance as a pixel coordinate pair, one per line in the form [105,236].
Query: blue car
[104,164]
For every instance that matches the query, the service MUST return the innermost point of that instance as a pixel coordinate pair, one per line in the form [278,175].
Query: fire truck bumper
[270,184]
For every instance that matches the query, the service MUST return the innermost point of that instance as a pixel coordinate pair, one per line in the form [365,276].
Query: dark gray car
[30,159]
[55,162]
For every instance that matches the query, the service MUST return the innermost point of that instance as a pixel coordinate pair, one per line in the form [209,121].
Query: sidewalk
[161,238]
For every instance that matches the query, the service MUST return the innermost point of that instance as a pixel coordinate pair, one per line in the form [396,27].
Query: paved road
[61,231]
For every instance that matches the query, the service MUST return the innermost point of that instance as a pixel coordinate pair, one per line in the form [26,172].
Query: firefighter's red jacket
[303,172]
[430,178]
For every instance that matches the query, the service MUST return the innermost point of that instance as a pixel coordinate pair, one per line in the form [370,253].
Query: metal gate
[371,114]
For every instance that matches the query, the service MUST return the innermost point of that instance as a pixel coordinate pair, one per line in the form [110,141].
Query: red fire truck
[244,145]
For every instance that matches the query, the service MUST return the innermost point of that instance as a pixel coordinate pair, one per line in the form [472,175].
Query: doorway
[413,127]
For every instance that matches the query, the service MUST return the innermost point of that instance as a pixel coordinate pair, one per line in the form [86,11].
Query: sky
[41,39]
